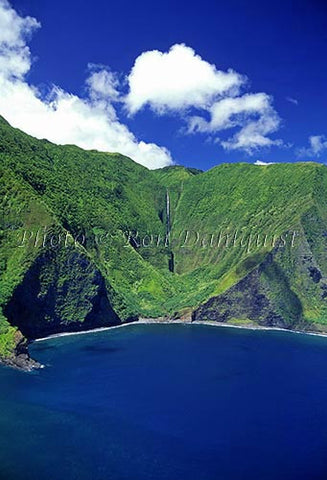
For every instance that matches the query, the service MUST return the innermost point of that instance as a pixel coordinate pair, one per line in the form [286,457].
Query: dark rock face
[62,291]
[253,298]
[244,300]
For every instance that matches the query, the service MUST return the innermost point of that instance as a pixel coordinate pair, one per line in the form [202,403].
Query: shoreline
[143,321]
[153,321]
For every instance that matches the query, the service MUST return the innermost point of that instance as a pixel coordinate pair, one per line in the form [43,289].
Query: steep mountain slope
[233,215]
[240,221]
[91,202]
[91,239]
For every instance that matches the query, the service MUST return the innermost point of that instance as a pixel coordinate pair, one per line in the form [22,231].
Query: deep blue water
[168,402]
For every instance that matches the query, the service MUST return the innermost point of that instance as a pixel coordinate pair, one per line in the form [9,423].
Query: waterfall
[171,263]
[167,213]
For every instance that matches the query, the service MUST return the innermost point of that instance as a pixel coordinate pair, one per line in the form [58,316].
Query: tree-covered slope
[228,218]
[67,215]
[232,221]
[92,239]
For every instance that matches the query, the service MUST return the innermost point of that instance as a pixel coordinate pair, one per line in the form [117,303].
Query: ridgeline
[88,239]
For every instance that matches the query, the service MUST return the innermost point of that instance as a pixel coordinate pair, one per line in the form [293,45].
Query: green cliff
[90,239]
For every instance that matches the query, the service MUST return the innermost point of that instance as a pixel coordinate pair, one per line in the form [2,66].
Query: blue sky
[277,50]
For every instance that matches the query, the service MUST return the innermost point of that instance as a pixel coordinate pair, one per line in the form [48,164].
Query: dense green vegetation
[83,241]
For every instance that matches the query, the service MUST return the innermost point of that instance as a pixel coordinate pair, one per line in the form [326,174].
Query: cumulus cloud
[89,122]
[255,133]
[209,100]
[103,84]
[231,112]
[14,31]
[317,146]
[181,81]
[177,80]
[253,113]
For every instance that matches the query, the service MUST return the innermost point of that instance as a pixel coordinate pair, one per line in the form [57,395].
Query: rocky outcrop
[62,291]
[20,357]
[246,300]
[269,304]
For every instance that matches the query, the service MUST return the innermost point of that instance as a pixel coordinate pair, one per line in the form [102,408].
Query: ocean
[168,402]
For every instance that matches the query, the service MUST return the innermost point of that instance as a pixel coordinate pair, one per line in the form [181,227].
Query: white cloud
[230,112]
[255,133]
[260,163]
[89,122]
[177,80]
[210,100]
[14,30]
[317,146]
[103,84]
[253,113]
[181,81]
